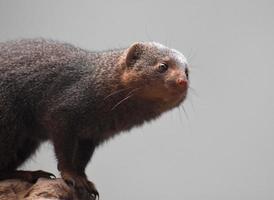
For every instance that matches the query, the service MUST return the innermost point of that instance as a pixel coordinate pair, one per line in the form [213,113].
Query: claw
[95,195]
[70,183]
[52,176]
[45,174]
[35,175]
[84,188]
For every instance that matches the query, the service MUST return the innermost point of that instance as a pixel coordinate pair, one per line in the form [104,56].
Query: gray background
[224,148]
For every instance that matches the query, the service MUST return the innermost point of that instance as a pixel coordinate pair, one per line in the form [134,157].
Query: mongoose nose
[182,82]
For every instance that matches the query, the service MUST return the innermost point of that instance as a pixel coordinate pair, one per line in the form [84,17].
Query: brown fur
[78,99]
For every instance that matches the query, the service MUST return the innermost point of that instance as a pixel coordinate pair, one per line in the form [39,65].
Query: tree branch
[43,189]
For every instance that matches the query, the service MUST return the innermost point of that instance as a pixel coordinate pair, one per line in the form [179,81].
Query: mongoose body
[77,99]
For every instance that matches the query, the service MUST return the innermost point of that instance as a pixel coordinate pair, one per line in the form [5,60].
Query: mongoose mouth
[177,87]
[169,95]
[177,96]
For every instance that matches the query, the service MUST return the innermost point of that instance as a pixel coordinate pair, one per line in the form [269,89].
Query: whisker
[193,67]
[130,94]
[135,89]
[167,42]
[116,92]
[185,112]
[191,55]
[191,103]
[124,99]
[147,34]
[193,91]
[180,116]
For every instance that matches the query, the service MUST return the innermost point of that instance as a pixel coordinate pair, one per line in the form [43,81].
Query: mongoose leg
[17,158]
[83,154]
[29,176]
[73,156]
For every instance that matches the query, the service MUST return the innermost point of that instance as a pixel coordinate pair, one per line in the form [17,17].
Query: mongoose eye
[187,73]
[162,67]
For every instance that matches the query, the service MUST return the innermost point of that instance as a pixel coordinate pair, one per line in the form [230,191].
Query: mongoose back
[78,99]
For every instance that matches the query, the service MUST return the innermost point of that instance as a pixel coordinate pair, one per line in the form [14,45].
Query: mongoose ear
[134,53]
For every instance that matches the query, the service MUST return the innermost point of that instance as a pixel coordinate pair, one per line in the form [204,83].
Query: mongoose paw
[41,174]
[85,189]
[29,176]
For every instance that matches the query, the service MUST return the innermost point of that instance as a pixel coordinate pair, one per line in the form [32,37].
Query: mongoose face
[160,74]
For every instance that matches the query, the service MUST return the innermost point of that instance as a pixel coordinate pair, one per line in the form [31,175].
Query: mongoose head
[157,72]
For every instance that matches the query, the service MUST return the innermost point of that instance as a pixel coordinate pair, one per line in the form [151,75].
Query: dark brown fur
[73,97]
